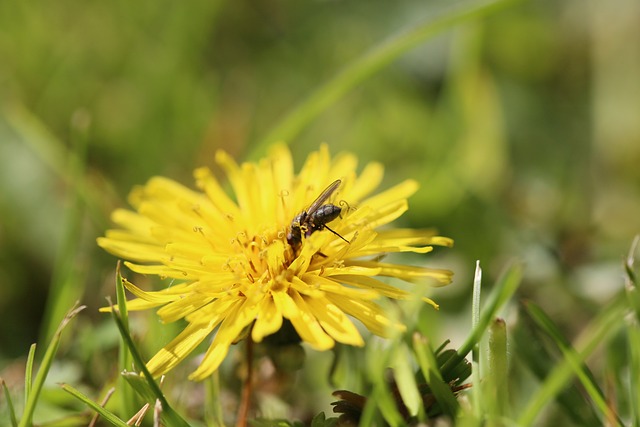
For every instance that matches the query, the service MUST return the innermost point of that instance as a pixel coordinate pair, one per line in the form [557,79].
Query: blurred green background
[522,126]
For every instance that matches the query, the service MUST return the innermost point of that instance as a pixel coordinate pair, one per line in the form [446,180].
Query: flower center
[260,258]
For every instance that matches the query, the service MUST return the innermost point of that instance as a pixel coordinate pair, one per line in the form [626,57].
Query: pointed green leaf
[107,415]
[429,368]
[47,360]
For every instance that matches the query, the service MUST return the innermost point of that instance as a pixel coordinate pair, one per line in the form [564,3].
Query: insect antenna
[337,234]
[345,206]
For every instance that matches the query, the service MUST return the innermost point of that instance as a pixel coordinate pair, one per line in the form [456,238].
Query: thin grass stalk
[596,333]
[633,332]
[28,374]
[12,411]
[65,284]
[378,57]
[54,154]
[475,355]
[496,380]
[406,380]
[500,294]
[103,403]
[247,387]
[581,371]
[633,336]
[104,413]
[213,408]
[45,365]
[381,400]
[127,394]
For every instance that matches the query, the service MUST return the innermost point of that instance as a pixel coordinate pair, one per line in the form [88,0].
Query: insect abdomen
[323,215]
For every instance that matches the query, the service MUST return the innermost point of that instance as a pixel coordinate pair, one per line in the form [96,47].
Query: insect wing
[323,197]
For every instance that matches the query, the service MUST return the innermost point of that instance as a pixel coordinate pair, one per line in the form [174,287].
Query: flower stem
[245,403]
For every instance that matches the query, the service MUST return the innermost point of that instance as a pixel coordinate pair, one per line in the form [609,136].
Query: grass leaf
[43,370]
[580,369]
[382,54]
[430,371]
[128,400]
[500,294]
[496,384]
[66,282]
[213,408]
[633,332]
[171,417]
[28,375]
[107,415]
[12,411]
[475,356]
[597,332]
[405,380]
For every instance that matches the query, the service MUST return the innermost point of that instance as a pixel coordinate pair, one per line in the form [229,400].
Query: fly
[315,217]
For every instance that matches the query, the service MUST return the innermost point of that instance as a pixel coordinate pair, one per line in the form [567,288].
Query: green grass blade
[53,153]
[405,380]
[580,369]
[12,411]
[633,332]
[213,408]
[66,284]
[127,394]
[475,356]
[140,385]
[497,388]
[107,415]
[429,368]
[631,278]
[475,303]
[536,351]
[381,400]
[370,62]
[596,333]
[47,360]
[170,416]
[500,294]
[28,374]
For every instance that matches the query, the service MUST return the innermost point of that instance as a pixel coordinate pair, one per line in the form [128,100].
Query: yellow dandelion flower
[262,256]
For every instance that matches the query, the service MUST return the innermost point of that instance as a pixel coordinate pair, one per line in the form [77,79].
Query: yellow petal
[174,352]
[207,183]
[134,305]
[398,192]
[268,320]
[373,285]
[408,236]
[285,304]
[334,321]
[139,252]
[369,313]
[182,307]
[160,270]
[237,318]
[306,288]
[407,272]
[159,297]
[334,286]
[308,327]
[139,225]
[367,182]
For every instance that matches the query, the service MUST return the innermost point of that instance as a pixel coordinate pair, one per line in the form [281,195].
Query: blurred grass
[521,126]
